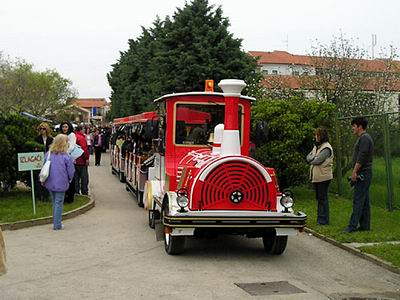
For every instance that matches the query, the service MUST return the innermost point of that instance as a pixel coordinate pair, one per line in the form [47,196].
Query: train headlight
[182,199]
[286,201]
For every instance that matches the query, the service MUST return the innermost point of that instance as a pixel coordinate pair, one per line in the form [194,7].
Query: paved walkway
[111,253]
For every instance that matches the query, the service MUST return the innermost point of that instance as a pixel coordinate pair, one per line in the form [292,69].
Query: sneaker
[349,230]
[62,227]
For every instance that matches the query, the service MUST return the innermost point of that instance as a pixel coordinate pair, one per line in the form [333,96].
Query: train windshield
[194,123]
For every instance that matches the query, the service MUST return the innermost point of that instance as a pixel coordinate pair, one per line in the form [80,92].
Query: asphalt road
[111,253]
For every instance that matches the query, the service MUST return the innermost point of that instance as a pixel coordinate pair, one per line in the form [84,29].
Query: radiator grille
[234,185]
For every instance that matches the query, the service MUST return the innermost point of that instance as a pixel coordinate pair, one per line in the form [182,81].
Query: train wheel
[140,199]
[152,221]
[154,215]
[274,244]
[121,177]
[173,244]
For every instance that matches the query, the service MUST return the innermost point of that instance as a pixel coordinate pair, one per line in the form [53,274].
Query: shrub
[16,135]
[289,133]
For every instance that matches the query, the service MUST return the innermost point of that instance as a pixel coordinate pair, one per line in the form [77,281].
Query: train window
[194,123]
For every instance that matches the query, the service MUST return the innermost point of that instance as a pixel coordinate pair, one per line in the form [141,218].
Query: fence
[385,131]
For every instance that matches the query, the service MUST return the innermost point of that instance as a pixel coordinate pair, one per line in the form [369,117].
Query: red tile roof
[283,57]
[90,102]
[307,83]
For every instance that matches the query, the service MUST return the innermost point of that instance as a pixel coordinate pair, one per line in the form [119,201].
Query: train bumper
[237,219]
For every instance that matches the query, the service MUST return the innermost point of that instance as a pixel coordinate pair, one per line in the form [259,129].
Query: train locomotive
[188,164]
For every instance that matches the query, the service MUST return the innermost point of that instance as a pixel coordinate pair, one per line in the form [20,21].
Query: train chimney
[231,140]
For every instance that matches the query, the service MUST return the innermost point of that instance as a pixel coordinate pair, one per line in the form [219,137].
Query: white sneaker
[62,227]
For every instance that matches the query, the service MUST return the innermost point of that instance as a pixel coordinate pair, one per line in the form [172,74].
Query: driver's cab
[187,122]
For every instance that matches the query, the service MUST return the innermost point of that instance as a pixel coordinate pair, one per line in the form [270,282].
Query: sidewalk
[354,249]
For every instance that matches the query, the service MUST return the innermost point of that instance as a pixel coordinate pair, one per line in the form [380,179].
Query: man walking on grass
[361,177]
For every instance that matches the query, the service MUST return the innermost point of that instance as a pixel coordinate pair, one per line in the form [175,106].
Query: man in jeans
[361,177]
[81,164]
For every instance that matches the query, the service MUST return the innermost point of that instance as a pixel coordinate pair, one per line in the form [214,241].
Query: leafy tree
[290,126]
[344,75]
[16,135]
[177,55]
[358,86]
[22,88]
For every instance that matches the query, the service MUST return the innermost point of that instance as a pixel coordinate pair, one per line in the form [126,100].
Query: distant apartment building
[97,108]
[289,67]
[283,63]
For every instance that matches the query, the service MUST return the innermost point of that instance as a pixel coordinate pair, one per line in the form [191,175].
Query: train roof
[139,118]
[199,94]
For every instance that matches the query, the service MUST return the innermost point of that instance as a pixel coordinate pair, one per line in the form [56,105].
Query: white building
[287,68]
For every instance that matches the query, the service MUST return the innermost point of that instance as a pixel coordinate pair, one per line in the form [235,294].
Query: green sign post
[28,162]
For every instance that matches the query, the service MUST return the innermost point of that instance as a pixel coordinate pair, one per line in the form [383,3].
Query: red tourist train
[188,164]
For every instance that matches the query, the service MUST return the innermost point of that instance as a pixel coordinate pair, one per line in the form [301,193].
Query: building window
[275,72]
[295,73]
[265,72]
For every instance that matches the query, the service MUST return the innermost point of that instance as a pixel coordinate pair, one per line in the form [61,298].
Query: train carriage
[130,149]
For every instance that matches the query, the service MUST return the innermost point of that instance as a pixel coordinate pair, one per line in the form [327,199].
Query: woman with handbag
[67,129]
[321,161]
[60,175]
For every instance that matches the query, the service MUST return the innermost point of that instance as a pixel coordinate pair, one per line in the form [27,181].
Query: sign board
[30,161]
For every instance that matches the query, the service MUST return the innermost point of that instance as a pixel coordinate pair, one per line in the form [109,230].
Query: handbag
[76,152]
[45,171]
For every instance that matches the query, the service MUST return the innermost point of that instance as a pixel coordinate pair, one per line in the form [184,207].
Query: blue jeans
[81,179]
[361,203]
[321,193]
[58,202]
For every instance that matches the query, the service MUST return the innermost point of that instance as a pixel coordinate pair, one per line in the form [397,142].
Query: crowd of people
[69,154]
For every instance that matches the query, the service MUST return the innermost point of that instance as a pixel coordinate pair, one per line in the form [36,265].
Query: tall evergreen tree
[177,55]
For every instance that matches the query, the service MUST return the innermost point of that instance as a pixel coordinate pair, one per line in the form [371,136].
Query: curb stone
[355,251]
[48,220]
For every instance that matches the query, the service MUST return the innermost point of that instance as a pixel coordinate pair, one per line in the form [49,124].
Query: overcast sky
[82,38]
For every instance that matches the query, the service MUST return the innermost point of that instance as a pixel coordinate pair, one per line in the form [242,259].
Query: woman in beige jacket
[321,161]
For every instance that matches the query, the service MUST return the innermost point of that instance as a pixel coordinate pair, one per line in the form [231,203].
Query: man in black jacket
[361,177]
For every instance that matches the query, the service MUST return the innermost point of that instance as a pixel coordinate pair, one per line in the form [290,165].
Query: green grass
[386,252]
[17,206]
[384,224]
[377,190]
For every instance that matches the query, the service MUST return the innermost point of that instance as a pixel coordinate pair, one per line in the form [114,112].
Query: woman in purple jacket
[61,174]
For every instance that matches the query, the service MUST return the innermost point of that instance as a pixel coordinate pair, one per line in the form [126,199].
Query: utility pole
[373,45]
[287,42]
